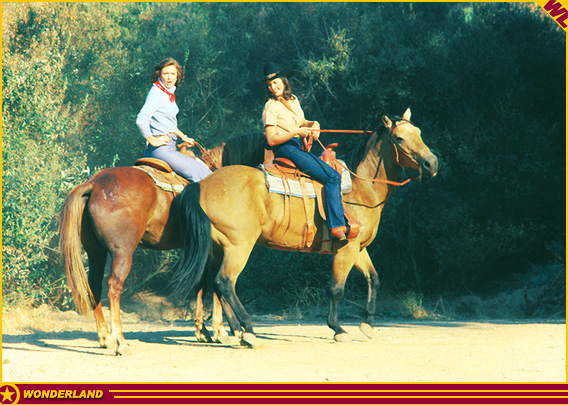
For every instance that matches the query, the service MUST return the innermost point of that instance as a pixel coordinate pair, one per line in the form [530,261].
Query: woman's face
[276,87]
[168,76]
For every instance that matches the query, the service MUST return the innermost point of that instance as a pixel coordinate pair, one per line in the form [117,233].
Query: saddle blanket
[170,182]
[278,185]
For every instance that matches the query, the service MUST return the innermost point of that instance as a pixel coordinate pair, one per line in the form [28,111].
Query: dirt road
[291,351]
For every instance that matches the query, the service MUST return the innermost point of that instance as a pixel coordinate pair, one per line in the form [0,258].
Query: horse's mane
[247,149]
[359,151]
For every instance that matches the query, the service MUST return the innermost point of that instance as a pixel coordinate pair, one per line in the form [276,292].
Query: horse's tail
[195,228]
[70,246]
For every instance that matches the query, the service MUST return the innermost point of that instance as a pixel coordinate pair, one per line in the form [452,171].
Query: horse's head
[409,148]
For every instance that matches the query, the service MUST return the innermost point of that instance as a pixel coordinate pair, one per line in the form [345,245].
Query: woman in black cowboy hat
[285,127]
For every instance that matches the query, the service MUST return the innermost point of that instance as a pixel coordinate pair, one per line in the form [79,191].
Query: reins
[375,179]
[344,131]
[206,153]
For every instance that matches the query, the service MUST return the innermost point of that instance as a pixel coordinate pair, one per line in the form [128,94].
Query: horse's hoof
[248,339]
[223,339]
[204,339]
[366,329]
[204,336]
[342,338]
[123,350]
[106,342]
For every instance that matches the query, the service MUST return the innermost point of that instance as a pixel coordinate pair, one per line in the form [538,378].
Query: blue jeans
[183,165]
[318,170]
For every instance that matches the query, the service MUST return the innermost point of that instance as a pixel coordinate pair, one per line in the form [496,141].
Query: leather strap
[320,195]
[309,232]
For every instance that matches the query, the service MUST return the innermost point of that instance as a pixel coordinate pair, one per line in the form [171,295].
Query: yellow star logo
[7,395]
[7,392]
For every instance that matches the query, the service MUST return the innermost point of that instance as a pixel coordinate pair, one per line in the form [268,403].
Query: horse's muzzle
[429,166]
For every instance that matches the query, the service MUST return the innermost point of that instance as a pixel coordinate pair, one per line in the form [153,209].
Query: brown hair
[287,94]
[168,62]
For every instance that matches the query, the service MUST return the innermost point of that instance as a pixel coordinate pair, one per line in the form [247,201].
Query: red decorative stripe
[310,393]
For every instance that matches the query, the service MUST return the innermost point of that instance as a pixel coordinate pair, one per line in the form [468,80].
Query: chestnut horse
[235,208]
[119,209]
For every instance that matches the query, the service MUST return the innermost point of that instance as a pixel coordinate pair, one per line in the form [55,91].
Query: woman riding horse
[120,209]
[285,126]
[157,122]
[235,210]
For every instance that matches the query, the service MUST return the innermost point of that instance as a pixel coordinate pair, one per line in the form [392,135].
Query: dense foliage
[486,83]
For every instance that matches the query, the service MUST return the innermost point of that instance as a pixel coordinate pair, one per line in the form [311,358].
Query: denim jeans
[318,170]
[183,165]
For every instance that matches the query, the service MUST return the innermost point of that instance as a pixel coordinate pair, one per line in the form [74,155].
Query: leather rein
[397,149]
[205,152]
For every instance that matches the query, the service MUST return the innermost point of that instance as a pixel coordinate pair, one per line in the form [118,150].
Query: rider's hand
[185,138]
[189,140]
[316,134]
[160,140]
[304,132]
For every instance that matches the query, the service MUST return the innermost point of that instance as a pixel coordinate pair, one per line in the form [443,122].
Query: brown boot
[339,232]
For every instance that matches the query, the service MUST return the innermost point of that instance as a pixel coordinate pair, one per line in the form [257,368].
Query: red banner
[12,394]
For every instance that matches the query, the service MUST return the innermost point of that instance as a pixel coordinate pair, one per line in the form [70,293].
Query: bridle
[397,147]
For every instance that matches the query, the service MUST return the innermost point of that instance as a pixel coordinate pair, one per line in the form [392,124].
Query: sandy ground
[66,350]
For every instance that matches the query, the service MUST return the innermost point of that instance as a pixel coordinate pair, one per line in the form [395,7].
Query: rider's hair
[165,63]
[287,90]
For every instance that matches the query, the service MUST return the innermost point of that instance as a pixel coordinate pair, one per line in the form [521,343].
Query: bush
[76,74]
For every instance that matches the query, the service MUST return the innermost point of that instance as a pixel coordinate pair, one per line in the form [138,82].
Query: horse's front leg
[365,266]
[343,261]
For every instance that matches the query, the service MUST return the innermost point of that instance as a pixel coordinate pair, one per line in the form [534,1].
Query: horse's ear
[387,122]
[406,115]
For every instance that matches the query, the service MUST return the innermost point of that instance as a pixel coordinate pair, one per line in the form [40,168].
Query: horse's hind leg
[220,334]
[97,262]
[234,262]
[201,332]
[121,264]
[97,255]
[365,266]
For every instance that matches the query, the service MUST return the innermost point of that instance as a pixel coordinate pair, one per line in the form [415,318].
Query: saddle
[162,174]
[287,171]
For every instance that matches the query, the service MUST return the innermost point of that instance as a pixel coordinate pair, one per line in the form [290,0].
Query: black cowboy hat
[272,71]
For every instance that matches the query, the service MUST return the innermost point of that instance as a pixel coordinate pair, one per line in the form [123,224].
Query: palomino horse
[119,209]
[234,206]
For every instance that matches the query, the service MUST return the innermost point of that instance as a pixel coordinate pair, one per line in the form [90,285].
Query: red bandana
[172,95]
